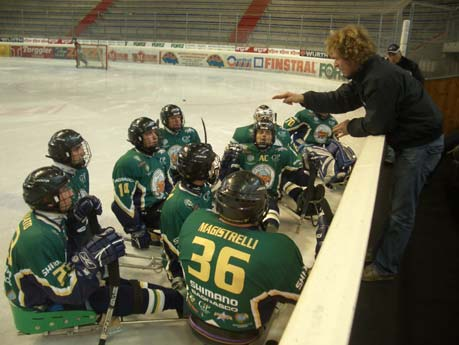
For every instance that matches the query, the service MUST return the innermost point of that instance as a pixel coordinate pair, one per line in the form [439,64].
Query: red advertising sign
[290,65]
[33,51]
[255,50]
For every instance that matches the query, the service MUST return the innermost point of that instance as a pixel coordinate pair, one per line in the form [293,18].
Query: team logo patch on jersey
[322,133]
[275,158]
[165,142]
[241,317]
[11,295]
[158,184]
[186,139]
[204,307]
[265,172]
[250,158]
[173,154]
[223,316]
[188,203]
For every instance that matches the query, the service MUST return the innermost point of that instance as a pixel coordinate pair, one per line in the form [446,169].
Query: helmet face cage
[62,143]
[263,113]
[197,161]
[169,111]
[42,186]
[265,125]
[242,198]
[138,128]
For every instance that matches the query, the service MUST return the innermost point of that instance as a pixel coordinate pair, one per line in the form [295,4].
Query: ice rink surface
[39,97]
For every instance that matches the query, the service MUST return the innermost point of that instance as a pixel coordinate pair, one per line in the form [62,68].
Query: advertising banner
[4,50]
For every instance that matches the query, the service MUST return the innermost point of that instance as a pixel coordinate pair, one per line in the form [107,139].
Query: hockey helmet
[62,143]
[197,161]
[264,125]
[263,113]
[41,188]
[169,111]
[136,131]
[242,198]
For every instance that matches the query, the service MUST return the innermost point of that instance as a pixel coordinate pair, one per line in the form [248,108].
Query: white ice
[39,97]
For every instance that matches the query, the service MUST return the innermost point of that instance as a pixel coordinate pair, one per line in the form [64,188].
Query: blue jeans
[411,168]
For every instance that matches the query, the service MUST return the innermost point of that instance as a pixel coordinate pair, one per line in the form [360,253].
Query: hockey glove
[85,206]
[101,250]
[230,160]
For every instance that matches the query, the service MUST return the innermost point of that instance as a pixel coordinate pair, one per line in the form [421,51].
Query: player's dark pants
[133,299]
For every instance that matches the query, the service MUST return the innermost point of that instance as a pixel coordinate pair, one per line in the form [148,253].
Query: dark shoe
[372,274]
[140,239]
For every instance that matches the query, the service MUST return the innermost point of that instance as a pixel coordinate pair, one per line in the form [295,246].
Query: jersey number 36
[227,276]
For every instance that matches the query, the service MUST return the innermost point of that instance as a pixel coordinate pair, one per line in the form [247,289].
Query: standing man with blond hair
[397,106]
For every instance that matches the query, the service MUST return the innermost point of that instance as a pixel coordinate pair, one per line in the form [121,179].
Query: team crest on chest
[186,139]
[173,154]
[322,133]
[264,172]
[158,183]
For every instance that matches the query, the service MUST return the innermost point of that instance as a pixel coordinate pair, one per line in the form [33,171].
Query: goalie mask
[197,161]
[264,134]
[169,111]
[41,189]
[242,198]
[69,148]
[144,135]
[263,113]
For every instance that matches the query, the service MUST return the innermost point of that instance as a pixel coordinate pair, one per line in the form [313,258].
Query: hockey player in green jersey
[310,128]
[280,168]
[312,134]
[141,181]
[198,167]
[233,275]
[42,274]
[175,135]
[71,153]
[244,135]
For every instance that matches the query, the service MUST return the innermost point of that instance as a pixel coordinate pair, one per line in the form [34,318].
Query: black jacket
[396,105]
[411,66]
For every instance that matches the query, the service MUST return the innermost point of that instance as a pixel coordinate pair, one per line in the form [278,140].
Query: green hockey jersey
[233,275]
[173,142]
[307,128]
[78,180]
[269,164]
[178,206]
[244,135]
[140,180]
[38,274]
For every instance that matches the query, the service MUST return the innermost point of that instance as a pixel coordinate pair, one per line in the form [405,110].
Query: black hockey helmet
[139,127]
[41,188]
[242,198]
[61,144]
[267,125]
[169,111]
[263,113]
[197,161]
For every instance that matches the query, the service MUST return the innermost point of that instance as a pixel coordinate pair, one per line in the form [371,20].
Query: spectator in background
[394,55]
[397,106]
